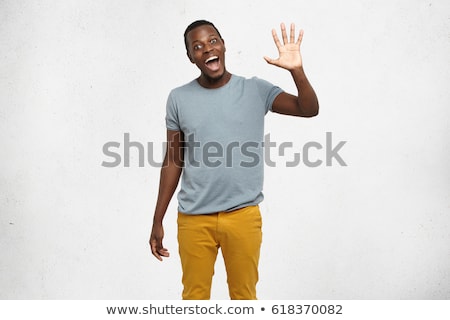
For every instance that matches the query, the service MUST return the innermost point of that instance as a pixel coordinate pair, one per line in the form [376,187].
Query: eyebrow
[211,35]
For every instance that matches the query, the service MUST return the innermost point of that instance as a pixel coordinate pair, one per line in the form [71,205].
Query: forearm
[170,176]
[170,173]
[306,98]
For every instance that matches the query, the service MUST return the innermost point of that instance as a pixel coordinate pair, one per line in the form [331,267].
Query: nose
[208,47]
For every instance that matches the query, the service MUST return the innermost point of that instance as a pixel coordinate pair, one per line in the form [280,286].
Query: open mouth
[213,63]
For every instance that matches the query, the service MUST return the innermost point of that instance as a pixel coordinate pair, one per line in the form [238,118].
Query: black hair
[196,24]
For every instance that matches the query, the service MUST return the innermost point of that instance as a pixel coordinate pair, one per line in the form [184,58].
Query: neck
[214,83]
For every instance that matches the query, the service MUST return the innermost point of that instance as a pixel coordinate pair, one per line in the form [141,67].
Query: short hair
[196,24]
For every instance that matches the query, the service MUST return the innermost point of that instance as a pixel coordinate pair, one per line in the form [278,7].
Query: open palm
[289,52]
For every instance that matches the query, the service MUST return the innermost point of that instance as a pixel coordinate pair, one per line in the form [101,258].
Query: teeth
[211,58]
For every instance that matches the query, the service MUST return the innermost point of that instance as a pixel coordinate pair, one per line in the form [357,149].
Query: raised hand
[289,52]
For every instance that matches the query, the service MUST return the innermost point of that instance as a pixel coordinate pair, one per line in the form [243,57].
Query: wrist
[158,219]
[297,70]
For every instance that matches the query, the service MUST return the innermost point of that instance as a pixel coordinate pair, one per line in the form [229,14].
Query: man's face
[207,50]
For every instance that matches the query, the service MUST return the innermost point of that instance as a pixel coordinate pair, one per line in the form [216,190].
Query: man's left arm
[305,104]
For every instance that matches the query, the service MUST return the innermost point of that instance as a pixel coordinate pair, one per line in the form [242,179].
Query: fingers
[275,38]
[300,37]
[270,60]
[292,34]
[164,252]
[284,35]
[157,249]
[153,246]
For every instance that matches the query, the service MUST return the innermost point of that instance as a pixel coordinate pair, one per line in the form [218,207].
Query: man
[221,116]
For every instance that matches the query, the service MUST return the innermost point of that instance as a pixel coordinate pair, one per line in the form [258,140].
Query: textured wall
[75,75]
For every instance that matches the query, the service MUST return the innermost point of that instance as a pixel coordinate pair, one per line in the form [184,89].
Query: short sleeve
[172,121]
[268,92]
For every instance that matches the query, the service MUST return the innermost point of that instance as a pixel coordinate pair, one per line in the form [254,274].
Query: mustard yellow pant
[238,234]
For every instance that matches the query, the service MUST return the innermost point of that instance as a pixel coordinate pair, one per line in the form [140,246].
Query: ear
[189,56]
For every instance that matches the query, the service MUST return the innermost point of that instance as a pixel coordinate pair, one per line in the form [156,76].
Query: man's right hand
[155,242]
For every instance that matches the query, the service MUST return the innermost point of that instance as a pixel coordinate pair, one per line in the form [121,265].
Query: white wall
[77,74]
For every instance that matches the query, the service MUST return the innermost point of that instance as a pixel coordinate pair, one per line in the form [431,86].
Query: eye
[213,41]
[197,47]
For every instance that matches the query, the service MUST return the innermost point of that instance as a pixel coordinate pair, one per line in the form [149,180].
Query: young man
[215,128]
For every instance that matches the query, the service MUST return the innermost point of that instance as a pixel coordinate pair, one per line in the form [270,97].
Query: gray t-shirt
[223,133]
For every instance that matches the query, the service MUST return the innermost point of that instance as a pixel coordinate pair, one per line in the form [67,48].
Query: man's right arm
[170,176]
